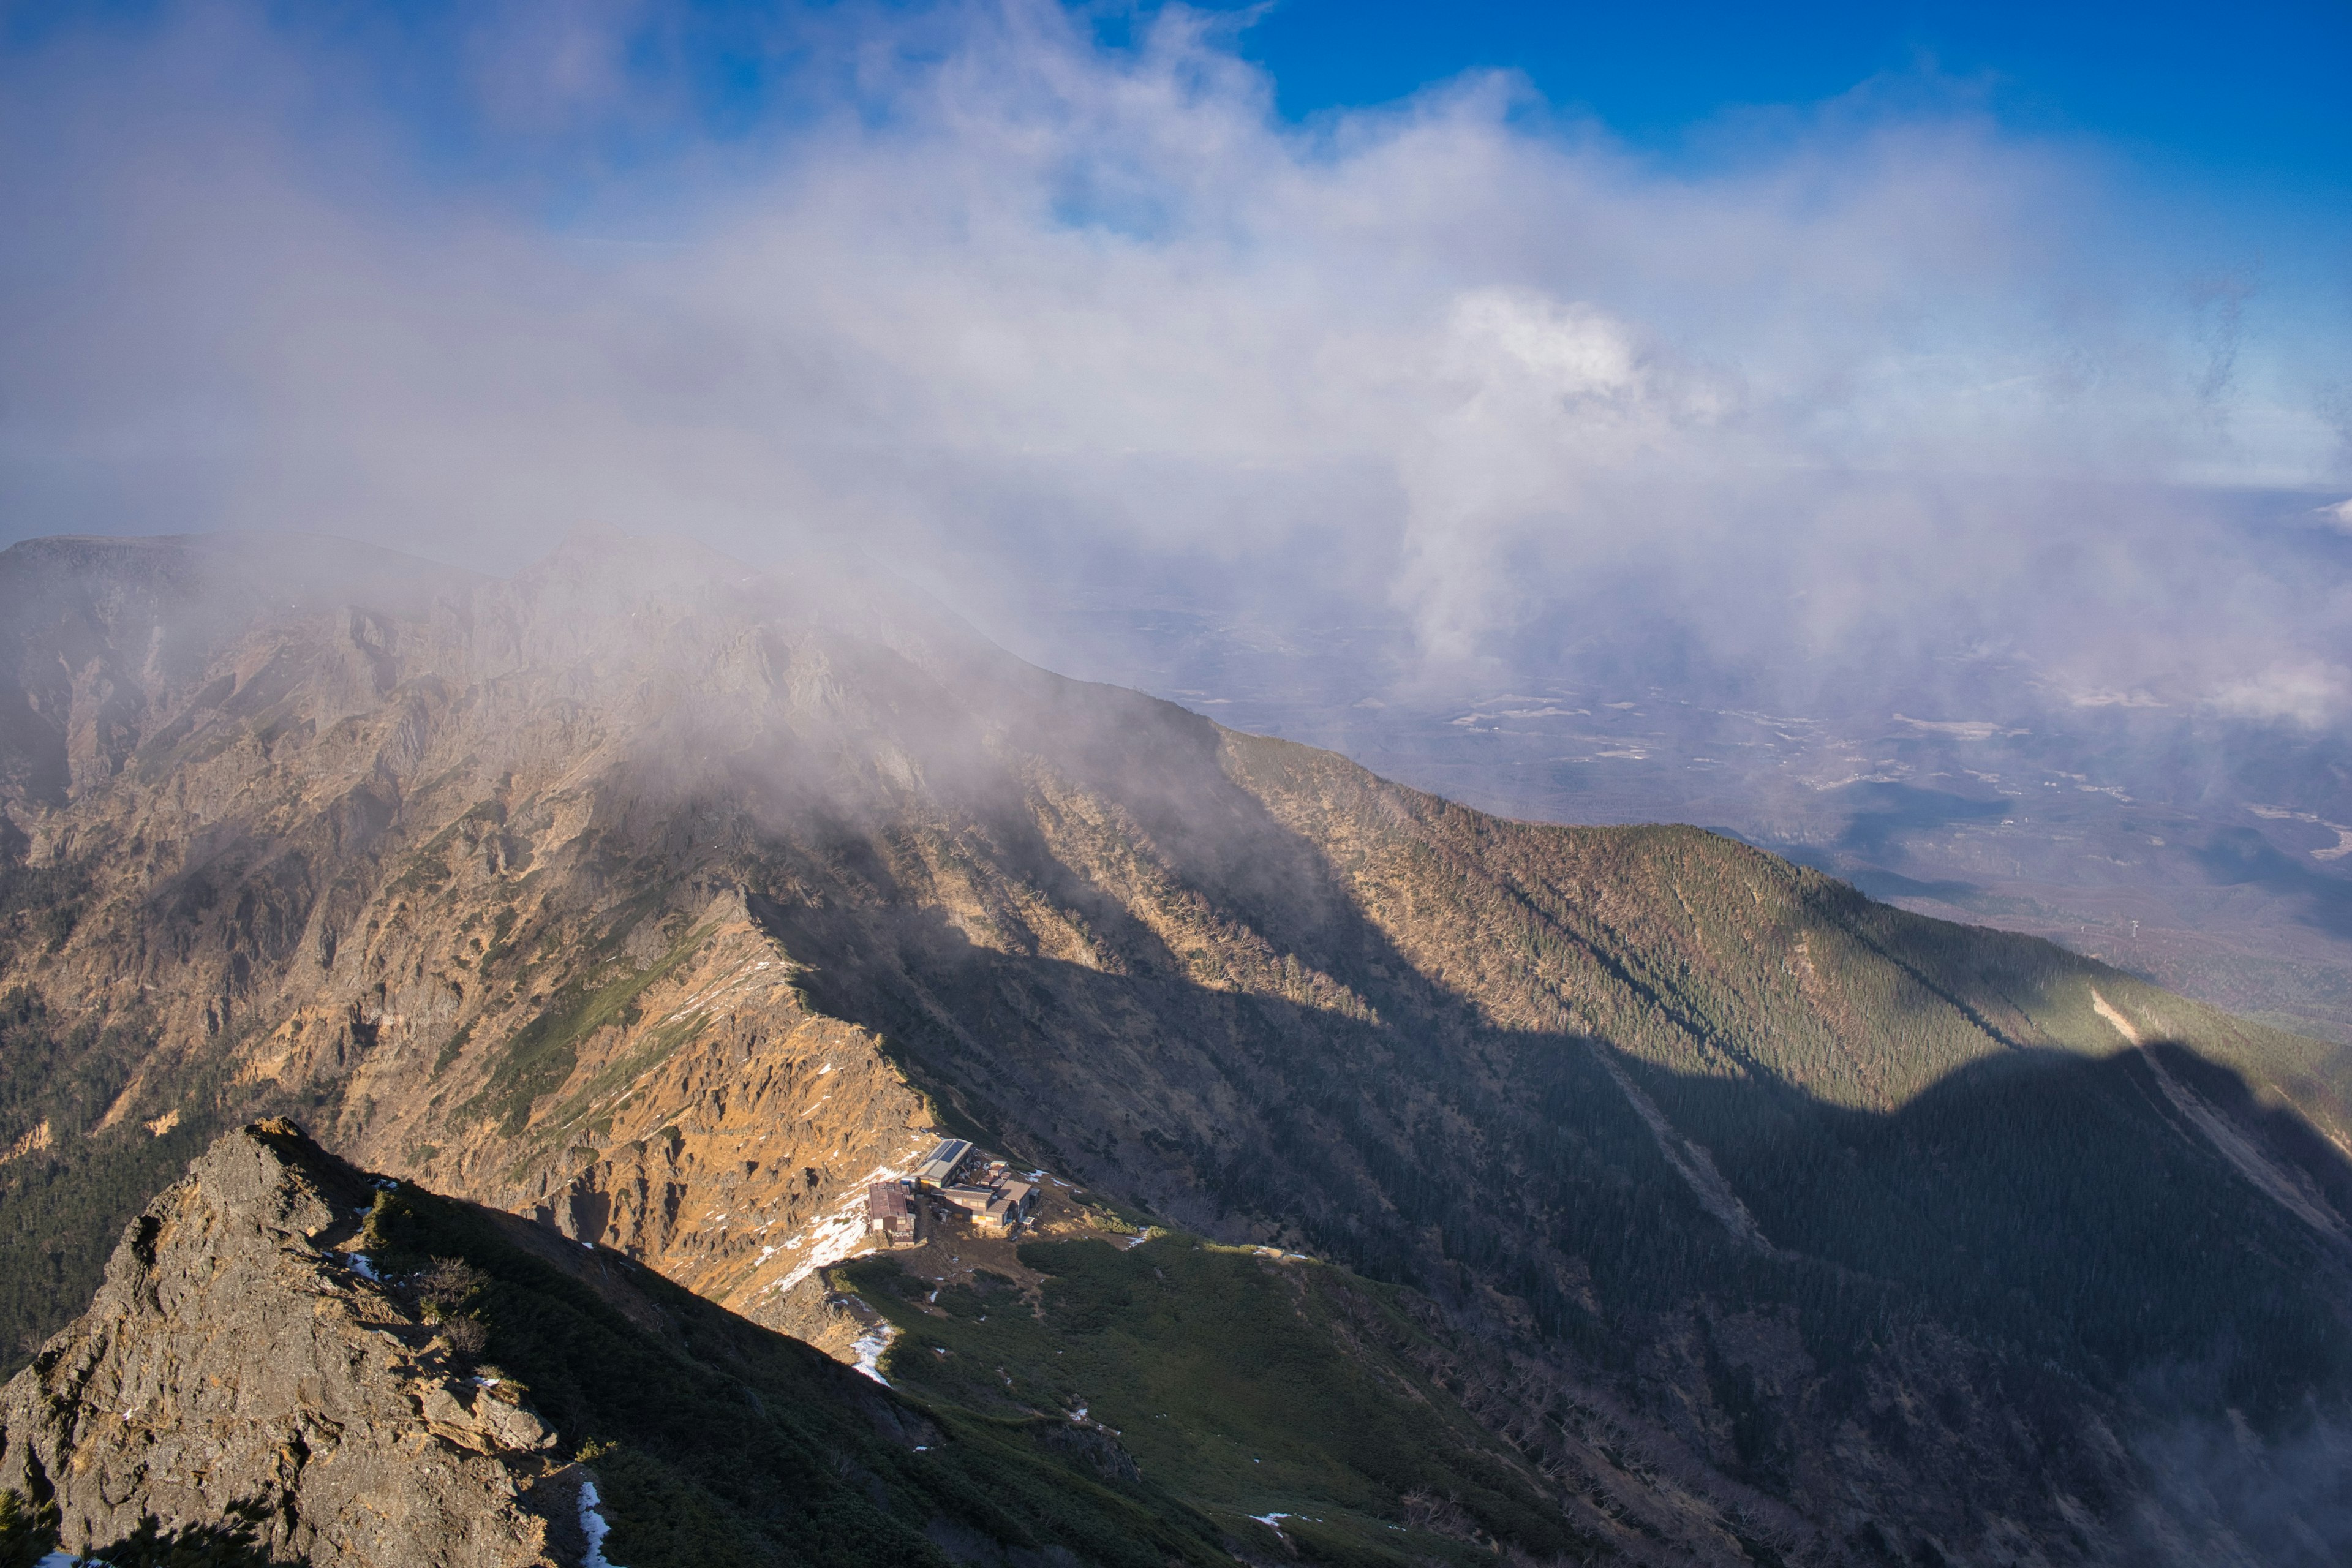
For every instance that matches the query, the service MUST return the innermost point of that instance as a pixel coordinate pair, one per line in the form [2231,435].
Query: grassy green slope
[1249,1386]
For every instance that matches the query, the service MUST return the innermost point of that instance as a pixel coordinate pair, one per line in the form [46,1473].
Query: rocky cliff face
[401,876]
[668,904]
[237,1354]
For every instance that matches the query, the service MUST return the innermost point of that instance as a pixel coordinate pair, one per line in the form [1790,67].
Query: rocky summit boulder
[237,1355]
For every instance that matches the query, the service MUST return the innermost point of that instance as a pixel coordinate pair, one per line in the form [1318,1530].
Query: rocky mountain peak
[240,1353]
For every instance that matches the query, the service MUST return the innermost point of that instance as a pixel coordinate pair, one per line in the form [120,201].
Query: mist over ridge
[1874,415]
[662,903]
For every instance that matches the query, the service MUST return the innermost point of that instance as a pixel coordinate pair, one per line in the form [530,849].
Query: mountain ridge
[482,877]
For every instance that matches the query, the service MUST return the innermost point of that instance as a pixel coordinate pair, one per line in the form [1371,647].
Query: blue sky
[2254,90]
[2248,95]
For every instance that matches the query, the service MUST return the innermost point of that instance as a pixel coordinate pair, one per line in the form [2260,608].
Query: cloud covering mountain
[1879,383]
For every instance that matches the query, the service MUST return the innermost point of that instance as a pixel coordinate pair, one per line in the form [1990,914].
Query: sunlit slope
[1705,957]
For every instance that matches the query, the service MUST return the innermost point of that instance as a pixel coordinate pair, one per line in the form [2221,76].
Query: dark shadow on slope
[2038,1200]
[2059,1203]
[1884,811]
[2041,1201]
[1250,1116]
[2084,1257]
[2277,1129]
[2240,857]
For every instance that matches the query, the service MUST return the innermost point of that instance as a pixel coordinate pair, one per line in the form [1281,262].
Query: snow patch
[828,1240]
[362,1267]
[868,1347]
[593,1526]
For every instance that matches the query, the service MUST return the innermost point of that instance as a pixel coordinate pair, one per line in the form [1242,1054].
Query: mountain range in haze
[2195,837]
[1420,1184]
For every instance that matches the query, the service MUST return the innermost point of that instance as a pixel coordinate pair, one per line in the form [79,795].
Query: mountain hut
[941,1168]
[891,1213]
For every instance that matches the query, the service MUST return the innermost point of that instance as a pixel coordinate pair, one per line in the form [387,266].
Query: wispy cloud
[2308,694]
[971,283]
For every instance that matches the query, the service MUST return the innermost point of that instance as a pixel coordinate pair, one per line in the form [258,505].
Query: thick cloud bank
[1877,385]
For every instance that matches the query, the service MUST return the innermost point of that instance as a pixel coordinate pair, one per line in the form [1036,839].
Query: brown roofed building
[891,1213]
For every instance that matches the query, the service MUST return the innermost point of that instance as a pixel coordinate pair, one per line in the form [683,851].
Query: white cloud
[2310,694]
[1011,295]
[1574,353]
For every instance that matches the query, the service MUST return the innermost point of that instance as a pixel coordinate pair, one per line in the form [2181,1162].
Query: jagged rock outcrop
[236,1356]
